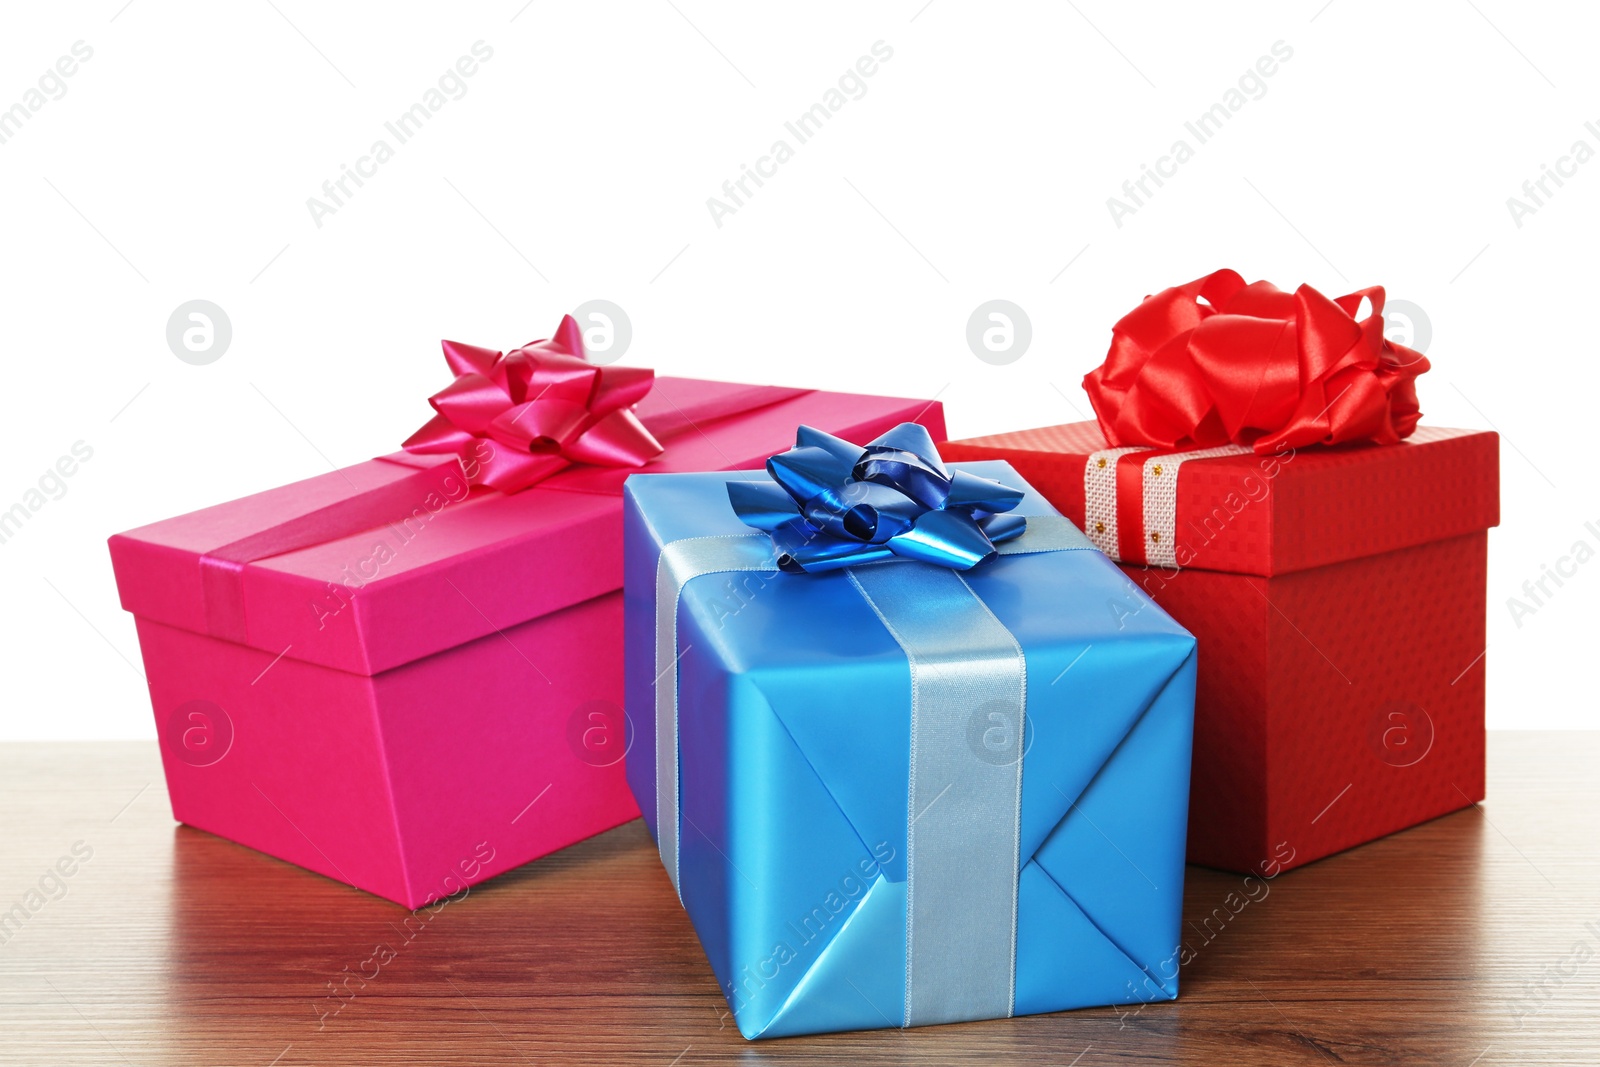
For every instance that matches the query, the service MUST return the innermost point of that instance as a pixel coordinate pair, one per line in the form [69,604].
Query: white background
[577,165]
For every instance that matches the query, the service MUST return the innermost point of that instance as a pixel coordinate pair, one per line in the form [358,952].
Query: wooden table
[1472,940]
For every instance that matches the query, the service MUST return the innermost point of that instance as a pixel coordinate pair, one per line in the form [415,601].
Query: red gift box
[1338,596]
[410,683]
[1267,484]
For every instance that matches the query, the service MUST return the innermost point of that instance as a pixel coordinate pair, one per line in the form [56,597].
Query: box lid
[1233,510]
[375,565]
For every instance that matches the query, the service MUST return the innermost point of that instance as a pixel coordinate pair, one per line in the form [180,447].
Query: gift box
[902,766]
[407,674]
[1258,470]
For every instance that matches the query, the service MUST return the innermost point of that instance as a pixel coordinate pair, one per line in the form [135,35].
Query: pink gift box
[409,686]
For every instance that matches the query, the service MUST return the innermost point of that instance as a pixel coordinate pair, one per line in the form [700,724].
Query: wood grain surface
[1472,940]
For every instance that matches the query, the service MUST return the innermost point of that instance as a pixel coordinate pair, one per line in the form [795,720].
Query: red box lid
[1260,514]
[450,566]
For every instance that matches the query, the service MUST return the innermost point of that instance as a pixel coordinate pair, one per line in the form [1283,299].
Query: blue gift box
[897,793]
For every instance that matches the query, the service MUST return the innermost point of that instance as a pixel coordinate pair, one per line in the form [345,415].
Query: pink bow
[536,410]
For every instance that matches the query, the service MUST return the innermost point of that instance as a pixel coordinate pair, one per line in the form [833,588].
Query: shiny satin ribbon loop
[1217,361]
[831,504]
[516,418]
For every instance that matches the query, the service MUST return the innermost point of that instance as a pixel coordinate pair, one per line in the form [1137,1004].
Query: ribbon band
[681,562]
[222,568]
[1130,500]
[963,814]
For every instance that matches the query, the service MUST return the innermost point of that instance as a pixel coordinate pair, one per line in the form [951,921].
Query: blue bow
[836,505]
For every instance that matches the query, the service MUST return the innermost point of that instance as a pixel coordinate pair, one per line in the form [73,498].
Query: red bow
[544,405]
[1218,361]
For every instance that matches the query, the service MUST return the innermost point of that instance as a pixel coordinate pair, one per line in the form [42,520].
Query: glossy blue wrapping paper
[794,730]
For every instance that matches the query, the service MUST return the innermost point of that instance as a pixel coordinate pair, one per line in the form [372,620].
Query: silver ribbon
[682,561]
[964,812]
